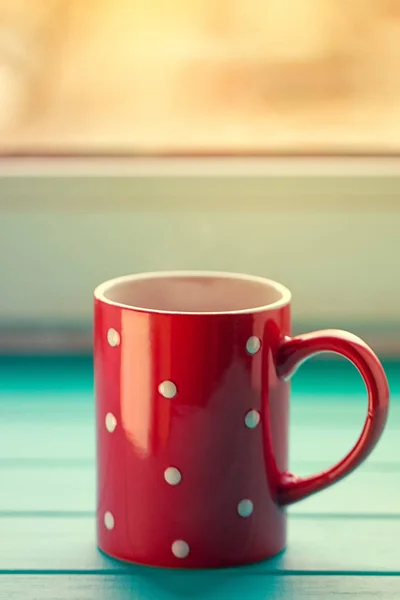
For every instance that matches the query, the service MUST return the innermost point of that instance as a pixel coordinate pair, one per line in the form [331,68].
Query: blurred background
[258,136]
[147,76]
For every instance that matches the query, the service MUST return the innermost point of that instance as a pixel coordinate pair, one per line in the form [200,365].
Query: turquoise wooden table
[344,541]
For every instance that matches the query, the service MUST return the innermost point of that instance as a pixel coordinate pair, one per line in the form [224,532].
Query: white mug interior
[194,292]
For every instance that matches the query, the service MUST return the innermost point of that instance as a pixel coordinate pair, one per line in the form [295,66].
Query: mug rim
[102,289]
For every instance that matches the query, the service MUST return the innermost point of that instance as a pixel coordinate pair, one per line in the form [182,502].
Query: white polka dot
[167,389]
[253,344]
[109,520]
[172,475]
[180,549]
[245,508]
[113,337]
[111,422]
[252,419]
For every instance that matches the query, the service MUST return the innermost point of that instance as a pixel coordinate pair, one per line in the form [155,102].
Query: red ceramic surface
[192,400]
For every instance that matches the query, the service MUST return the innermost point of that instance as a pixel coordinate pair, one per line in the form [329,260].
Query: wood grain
[344,542]
[318,545]
[216,586]
[40,427]
[69,487]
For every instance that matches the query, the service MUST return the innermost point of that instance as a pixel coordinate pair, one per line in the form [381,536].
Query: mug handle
[292,352]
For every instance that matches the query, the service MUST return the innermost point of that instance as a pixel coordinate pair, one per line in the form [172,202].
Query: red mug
[192,401]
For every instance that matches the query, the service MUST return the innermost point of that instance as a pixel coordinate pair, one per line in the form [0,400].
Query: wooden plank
[68,489]
[42,425]
[217,585]
[71,488]
[321,377]
[323,545]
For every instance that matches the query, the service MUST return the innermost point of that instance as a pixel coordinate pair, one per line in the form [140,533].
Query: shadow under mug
[192,403]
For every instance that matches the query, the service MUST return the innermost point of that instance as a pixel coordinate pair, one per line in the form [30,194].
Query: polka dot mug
[192,400]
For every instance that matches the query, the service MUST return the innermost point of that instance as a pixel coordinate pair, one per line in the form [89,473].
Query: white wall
[334,242]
